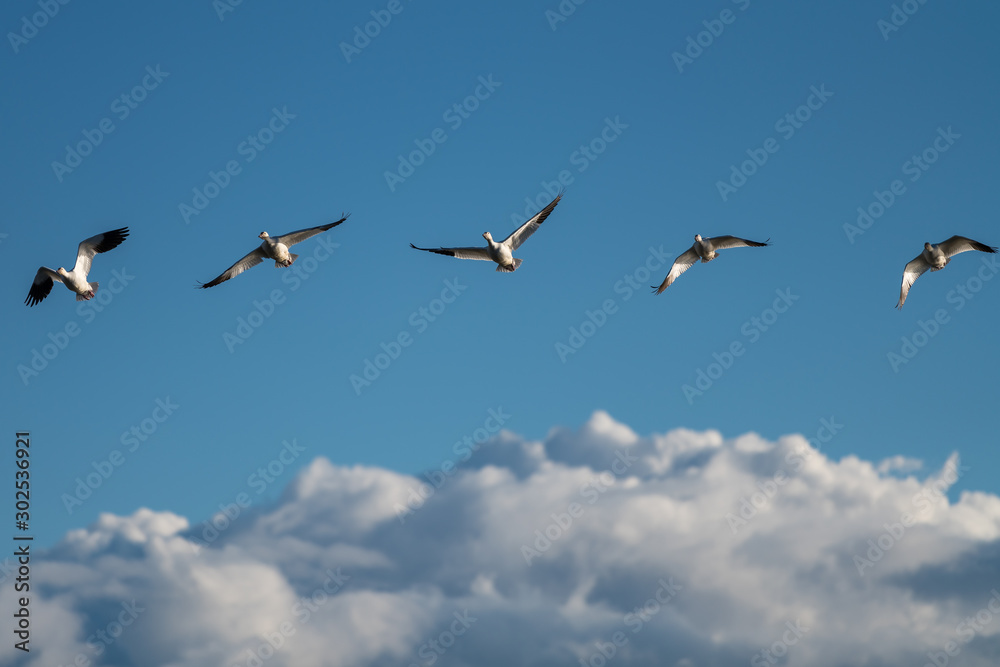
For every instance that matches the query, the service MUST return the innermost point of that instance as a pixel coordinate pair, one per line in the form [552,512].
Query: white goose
[705,249]
[501,253]
[272,247]
[935,258]
[75,280]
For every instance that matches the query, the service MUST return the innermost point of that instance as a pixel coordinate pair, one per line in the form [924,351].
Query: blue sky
[638,191]
[654,185]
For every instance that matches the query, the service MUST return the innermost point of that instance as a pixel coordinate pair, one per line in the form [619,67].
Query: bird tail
[93,288]
[291,256]
[509,269]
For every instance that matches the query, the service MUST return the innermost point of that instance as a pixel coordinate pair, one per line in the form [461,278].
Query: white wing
[251,260]
[460,253]
[913,270]
[42,285]
[97,244]
[680,265]
[521,234]
[959,244]
[723,242]
[292,238]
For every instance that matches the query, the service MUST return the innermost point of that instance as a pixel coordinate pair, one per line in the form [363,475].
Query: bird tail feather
[509,269]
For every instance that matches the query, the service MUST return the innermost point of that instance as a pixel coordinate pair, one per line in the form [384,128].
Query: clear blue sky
[552,93]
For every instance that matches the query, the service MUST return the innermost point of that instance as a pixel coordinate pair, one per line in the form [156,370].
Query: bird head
[263,235]
[487,236]
[697,237]
[928,247]
[62,272]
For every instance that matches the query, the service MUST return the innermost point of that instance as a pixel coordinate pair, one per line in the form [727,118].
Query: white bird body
[935,257]
[503,252]
[705,249]
[276,250]
[272,247]
[75,280]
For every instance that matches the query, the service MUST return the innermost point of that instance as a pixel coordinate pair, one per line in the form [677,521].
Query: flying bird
[935,257]
[272,247]
[76,280]
[501,253]
[706,250]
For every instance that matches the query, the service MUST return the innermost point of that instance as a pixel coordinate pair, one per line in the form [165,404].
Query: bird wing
[41,285]
[723,242]
[521,234]
[684,262]
[292,238]
[913,270]
[460,253]
[97,244]
[251,260]
[957,244]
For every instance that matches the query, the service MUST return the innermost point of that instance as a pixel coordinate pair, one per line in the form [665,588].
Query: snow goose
[76,280]
[706,250]
[501,253]
[272,247]
[935,258]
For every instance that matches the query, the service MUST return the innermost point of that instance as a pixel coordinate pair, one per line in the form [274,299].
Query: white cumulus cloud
[684,549]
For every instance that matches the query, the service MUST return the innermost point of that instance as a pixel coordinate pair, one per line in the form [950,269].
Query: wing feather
[522,233]
[41,285]
[684,262]
[97,244]
[913,270]
[959,244]
[250,260]
[723,242]
[460,253]
[292,238]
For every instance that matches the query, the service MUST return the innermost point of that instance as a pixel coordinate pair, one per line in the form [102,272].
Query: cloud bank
[594,547]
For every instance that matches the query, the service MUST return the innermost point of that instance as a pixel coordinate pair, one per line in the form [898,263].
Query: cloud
[683,549]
